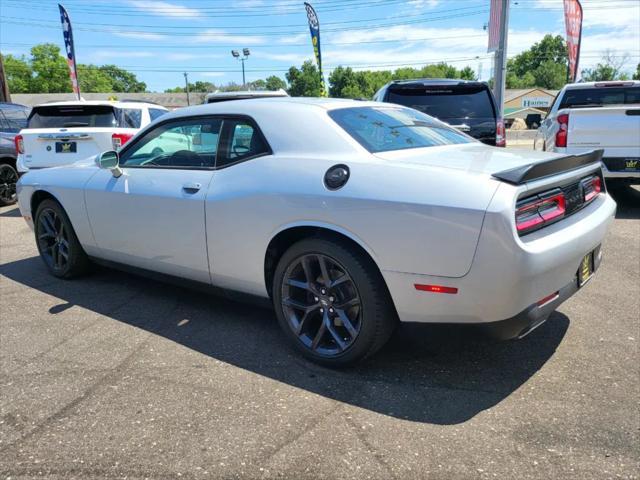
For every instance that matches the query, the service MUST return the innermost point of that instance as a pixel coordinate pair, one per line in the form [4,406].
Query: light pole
[245,53]
[186,86]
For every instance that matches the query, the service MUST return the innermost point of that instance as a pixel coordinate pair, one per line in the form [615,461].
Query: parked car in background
[592,115]
[465,105]
[61,133]
[13,118]
[244,95]
[347,215]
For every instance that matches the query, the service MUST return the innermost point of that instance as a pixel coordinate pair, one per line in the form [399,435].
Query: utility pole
[500,59]
[186,86]
[5,96]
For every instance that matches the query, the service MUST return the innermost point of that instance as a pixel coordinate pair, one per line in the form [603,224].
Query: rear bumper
[530,318]
[509,275]
[626,175]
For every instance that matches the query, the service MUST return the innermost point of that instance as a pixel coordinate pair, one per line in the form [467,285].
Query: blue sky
[158,40]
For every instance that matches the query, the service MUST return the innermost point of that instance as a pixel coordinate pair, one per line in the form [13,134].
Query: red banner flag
[573,23]
[495,14]
[67,33]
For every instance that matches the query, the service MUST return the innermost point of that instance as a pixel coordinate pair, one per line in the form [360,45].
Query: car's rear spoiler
[533,171]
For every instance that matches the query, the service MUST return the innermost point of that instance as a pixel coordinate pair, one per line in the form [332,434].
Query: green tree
[94,80]
[19,73]
[543,65]
[275,83]
[259,84]
[305,81]
[50,69]
[468,73]
[609,68]
[122,80]
[636,76]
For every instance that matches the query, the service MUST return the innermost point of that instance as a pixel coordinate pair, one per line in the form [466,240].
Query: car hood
[471,157]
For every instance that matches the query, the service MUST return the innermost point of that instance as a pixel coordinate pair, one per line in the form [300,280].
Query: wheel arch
[8,161]
[291,234]
[38,197]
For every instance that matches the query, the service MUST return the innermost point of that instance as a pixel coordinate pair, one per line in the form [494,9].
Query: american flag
[68,45]
[495,14]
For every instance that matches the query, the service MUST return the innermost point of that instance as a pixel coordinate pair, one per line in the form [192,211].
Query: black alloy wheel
[53,240]
[57,242]
[8,180]
[332,302]
[322,304]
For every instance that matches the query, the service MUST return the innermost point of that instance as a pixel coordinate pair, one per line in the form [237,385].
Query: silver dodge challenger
[348,216]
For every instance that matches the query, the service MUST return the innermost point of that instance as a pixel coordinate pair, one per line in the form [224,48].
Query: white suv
[61,133]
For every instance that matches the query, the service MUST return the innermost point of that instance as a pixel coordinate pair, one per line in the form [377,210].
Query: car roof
[248,94]
[13,105]
[608,83]
[437,81]
[250,105]
[114,103]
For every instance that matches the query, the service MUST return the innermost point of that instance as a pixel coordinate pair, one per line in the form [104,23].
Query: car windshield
[596,97]
[382,129]
[59,116]
[446,102]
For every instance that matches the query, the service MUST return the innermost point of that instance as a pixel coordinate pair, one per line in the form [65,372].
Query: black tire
[8,179]
[343,341]
[57,242]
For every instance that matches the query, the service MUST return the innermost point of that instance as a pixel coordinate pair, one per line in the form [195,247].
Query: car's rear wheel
[8,180]
[332,302]
[57,242]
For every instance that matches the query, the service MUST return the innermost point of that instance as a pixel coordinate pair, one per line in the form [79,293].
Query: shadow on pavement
[427,373]
[12,212]
[627,198]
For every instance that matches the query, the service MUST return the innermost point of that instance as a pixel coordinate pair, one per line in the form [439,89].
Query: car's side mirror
[110,161]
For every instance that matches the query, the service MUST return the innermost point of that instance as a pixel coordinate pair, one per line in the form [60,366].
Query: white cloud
[165,9]
[220,36]
[140,35]
[211,74]
[103,54]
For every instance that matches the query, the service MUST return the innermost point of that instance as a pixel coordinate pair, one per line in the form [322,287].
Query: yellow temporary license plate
[587,267]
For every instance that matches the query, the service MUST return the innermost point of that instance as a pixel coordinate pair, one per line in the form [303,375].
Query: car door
[152,216]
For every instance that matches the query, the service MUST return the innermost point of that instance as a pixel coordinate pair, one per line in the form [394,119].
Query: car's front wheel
[332,302]
[57,242]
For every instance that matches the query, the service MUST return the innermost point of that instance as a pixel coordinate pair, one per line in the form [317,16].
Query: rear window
[382,129]
[73,116]
[600,96]
[446,102]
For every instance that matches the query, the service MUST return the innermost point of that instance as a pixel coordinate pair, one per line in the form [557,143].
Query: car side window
[131,118]
[155,113]
[243,140]
[15,119]
[178,144]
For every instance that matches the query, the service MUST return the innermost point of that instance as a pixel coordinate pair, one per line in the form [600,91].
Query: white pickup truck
[61,133]
[597,115]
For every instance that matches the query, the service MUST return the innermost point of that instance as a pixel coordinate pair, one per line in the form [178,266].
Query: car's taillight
[592,187]
[19,141]
[501,139]
[533,213]
[563,130]
[119,139]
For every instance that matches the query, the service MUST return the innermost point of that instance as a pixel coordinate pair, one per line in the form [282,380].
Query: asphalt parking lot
[114,376]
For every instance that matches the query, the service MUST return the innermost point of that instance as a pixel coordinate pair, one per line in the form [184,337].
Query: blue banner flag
[314,28]
[70,51]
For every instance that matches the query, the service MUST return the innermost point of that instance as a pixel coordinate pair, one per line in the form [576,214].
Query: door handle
[191,187]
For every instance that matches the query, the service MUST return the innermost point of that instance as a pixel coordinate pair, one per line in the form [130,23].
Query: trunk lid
[614,129]
[50,147]
[471,157]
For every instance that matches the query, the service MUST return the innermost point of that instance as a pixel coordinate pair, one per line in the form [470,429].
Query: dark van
[466,105]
